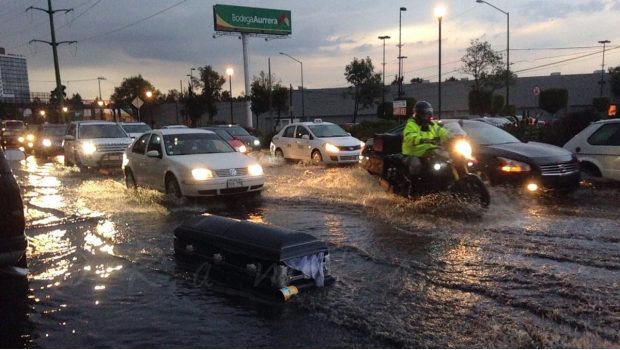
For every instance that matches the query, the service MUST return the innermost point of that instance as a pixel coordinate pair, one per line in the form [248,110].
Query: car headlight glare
[243,149]
[255,170]
[30,137]
[331,148]
[362,144]
[513,166]
[202,173]
[46,143]
[20,139]
[89,148]
[463,148]
[256,143]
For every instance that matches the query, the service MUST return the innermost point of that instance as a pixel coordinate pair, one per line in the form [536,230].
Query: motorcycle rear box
[387,143]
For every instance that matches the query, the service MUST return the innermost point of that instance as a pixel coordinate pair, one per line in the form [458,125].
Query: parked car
[135,129]
[598,149]
[95,144]
[238,132]
[237,144]
[13,242]
[190,163]
[175,127]
[501,157]
[319,141]
[47,140]
[12,134]
[500,122]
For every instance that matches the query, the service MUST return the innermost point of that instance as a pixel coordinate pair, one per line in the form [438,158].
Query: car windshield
[184,144]
[54,130]
[136,128]
[101,131]
[484,134]
[223,133]
[327,130]
[238,131]
[13,125]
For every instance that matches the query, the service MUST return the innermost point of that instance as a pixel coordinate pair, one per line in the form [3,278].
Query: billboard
[251,20]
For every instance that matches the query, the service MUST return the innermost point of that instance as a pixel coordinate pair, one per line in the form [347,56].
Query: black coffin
[260,253]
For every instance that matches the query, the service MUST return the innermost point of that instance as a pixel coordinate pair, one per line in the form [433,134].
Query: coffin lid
[258,240]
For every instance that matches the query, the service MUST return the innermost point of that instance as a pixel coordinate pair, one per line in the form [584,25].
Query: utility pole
[54,44]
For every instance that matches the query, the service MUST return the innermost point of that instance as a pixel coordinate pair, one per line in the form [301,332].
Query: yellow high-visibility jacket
[413,136]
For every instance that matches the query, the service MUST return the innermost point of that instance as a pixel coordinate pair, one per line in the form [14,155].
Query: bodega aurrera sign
[251,20]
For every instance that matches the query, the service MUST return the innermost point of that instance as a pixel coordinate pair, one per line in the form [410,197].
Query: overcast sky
[163,39]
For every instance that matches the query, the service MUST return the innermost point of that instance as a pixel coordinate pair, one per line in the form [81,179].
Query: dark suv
[13,242]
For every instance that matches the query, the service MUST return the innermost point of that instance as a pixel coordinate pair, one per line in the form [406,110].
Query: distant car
[598,149]
[12,134]
[47,140]
[239,133]
[501,157]
[500,122]
[319,141]
[95,144]
[175,127]
[237,144]
[135,129]
[13,242]
[190,163]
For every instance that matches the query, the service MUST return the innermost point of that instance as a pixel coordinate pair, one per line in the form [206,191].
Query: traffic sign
[137,102]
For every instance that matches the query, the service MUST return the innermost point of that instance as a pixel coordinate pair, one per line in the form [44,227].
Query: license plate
[233,183]
[114,157]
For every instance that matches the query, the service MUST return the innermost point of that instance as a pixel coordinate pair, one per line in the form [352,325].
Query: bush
[368,129]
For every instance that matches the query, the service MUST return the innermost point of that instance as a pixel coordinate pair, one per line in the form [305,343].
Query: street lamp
[191,80]
[507,49]
[100,103]
[383,89]
[439,13]
[303,110]
[400,57]
[603,65]
[230,73]
[149,94]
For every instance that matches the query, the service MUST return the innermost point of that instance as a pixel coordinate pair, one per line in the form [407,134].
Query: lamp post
[149,94]
[230,73]
[383,89]
[440,12]
[191,81]
[400,57]
[100,104]
[303,110]
[603,65]
[507,49]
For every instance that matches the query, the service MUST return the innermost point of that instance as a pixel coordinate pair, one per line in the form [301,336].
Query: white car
[135,129]
[318,141]
[190,163]
[94,144]
[598,149]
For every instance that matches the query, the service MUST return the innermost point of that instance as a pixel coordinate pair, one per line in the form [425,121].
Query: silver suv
[95,144]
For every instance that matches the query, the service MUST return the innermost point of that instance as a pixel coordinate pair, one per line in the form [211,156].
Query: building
[14,87]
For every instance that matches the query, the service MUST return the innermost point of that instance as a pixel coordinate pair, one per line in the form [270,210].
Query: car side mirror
[153,154]
[305,137]
[69,138]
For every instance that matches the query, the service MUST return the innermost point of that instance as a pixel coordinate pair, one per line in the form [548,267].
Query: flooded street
[528,272]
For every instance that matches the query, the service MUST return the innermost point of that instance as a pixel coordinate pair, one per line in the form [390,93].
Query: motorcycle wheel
[472,188]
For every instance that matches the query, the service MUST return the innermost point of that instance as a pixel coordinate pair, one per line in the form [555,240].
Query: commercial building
[14,87]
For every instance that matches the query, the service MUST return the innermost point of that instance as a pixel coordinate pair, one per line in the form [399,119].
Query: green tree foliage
[261,87]
[614,80]
[385,110]
[554,99]
[129,89]
[210,83]
[489,72]
[417,81]
[366,84]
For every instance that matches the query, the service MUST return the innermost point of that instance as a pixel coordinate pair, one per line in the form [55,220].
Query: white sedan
[190,163]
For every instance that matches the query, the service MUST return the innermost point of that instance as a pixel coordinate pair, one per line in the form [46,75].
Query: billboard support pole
[246,74]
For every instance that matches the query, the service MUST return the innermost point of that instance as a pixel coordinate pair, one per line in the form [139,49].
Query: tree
[210,82]
[554,99]
[385,110]
[129,89]
[488,70]
[367,85]
[416,81]
[261,87]
[614,80]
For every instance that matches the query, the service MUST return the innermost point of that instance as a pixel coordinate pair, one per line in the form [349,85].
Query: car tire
[172,187]
[66,162]
[279,153]
[130,180]
[316,156]
[79,164]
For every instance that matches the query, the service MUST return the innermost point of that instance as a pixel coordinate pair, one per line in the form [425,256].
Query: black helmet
[422,111]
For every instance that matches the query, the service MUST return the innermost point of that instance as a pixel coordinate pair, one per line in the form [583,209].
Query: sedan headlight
[331,148]
[202,173]
[30,137]
[362,144]
[256,143]
[89,148]
[513,166]
[20,139]
[255,170]
[46,143]
[242,149]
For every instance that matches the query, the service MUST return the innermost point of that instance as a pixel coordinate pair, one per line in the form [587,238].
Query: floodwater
[528,272]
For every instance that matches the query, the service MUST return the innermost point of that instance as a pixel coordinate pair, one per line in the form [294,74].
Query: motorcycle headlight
[46,143]
[331,148]
[463,148]
[255,170]
[202,173]
[30,137]
[513,166]
[89,148]
[362,144]
[20,139]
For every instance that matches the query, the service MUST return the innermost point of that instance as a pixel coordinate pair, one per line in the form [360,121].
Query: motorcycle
[443,169]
